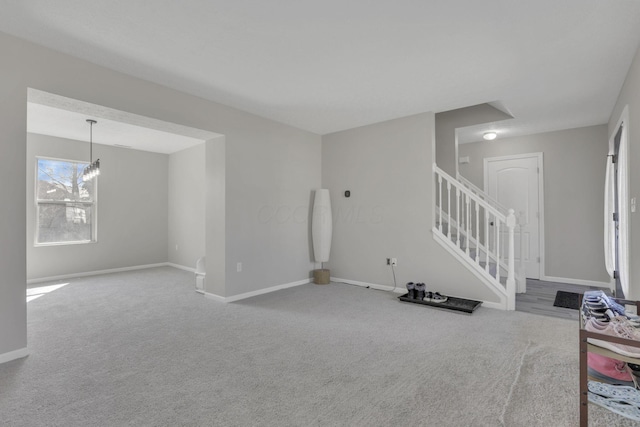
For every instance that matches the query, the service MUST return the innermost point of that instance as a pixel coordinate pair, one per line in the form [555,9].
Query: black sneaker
[411,290]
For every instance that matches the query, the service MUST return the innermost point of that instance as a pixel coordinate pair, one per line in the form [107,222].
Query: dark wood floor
[540,296]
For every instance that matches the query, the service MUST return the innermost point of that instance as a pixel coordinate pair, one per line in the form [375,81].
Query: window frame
[38,202]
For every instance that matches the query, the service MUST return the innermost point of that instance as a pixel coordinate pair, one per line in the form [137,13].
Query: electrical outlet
[394,262]
[239,267]
[388,261]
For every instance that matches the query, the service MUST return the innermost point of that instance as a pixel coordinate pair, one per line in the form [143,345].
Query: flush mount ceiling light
[93,169]
[490,136]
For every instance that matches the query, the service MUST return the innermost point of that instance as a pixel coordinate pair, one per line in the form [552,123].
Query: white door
[514,182]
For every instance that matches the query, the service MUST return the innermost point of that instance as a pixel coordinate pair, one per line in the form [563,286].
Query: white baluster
[497,249]
[486,240]
[511,282]
[457,216]
[521,278]
[467,224]
[449,209]
[440,202]
[477,233]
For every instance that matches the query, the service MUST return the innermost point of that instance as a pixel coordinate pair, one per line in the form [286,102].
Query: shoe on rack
[437,297]
[612,368]
[411,290]
[596,305]
[617,327]
[421,288]
[624,409]
[613,305]
[620,394]
[601,314]
[595,375]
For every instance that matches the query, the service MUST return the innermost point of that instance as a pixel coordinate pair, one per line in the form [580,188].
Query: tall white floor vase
[321,230]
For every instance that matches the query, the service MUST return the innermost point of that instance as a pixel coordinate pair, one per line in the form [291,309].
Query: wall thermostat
[347,193]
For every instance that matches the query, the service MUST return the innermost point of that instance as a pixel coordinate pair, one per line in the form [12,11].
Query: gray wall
[132,210]
[574,171]
[630,95]
[186,216]
[267,154]
[448,121]
[387,168]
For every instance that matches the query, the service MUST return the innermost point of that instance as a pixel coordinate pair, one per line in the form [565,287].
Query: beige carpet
[143,349]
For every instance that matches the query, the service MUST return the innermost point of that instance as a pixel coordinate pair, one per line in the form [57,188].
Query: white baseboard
[95,273]
[13,355]
[582,282]
[181,267]
[246,295]
[402,290]
[399,289]
[493,305]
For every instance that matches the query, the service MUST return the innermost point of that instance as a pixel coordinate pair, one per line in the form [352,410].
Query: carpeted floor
[142,348]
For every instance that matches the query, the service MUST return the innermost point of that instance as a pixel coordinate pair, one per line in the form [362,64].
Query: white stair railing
[521,223]
[478,232]
[481,193]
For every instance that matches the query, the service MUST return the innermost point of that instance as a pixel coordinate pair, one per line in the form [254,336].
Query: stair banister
[481,193]
[462,236]
[486,205]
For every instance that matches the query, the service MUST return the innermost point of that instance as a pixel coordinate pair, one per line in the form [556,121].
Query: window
[66,205]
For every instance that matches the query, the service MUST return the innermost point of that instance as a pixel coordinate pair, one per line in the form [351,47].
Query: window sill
[83,242]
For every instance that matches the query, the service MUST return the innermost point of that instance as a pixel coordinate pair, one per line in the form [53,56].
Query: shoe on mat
[421,288]
[411,290]
[427,296]
[437,297]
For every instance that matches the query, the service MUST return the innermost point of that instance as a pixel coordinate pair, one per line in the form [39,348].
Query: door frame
[539,156]
[623,196]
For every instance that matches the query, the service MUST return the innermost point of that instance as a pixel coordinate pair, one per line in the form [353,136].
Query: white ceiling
[330,65]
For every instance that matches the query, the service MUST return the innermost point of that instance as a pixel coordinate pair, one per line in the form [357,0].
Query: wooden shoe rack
[585,347]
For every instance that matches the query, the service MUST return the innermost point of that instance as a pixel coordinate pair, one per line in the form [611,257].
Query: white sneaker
[617,327]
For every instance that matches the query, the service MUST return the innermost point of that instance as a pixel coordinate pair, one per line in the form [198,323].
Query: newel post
[511,281]
[521,278]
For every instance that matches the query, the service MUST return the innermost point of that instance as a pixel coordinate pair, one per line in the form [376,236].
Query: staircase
[478,231]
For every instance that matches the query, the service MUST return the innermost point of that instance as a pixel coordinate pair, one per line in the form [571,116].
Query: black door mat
[568,300]
[452,303]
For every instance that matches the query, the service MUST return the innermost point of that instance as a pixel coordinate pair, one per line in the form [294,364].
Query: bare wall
[574,171]
[387,168]
[186,216]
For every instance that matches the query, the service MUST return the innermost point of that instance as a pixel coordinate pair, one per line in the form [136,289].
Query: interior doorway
[618,208]
[516,182]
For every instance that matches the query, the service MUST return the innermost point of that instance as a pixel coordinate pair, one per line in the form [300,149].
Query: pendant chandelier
[93,169]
